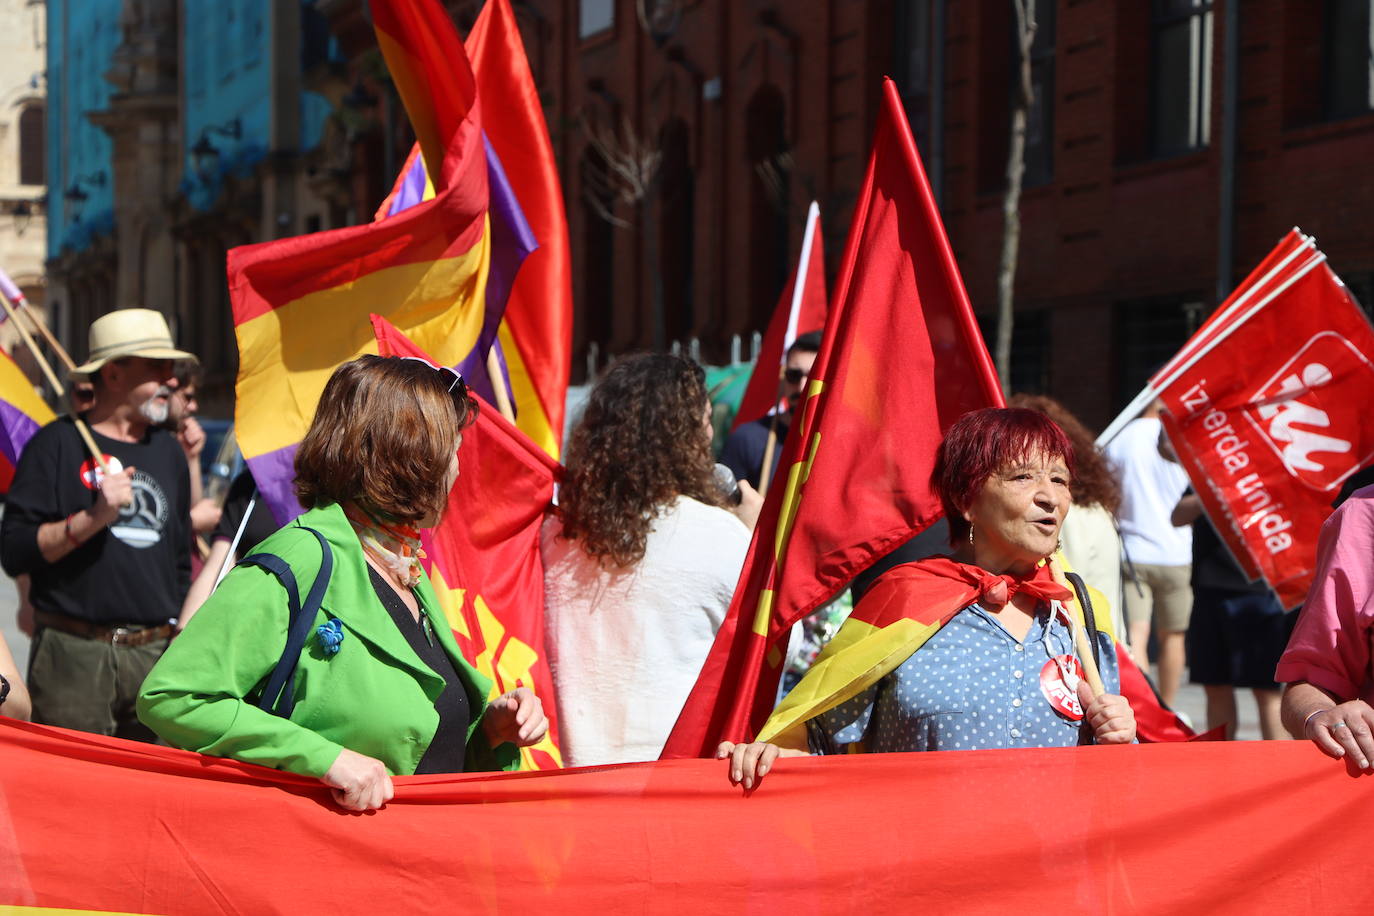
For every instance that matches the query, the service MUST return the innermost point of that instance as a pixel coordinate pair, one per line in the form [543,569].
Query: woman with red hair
[970,651]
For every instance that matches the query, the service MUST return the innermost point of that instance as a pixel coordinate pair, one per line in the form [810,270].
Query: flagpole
[766,469]
[58,388]
[498,385]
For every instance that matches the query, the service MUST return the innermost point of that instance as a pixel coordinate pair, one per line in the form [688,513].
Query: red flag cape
[97,823]
[1268,412]
[483,557]
[797,312]
[901,360]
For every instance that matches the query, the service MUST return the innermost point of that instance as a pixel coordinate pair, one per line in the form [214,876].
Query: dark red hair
[982,442]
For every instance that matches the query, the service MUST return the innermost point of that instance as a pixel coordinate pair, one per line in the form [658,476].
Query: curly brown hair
[639,445]
[1093,482]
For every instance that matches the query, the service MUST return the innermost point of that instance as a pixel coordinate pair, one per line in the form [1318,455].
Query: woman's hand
[1344,731]
[359,782]
[750,504]
[749,763]
[1110,716]
[516,716]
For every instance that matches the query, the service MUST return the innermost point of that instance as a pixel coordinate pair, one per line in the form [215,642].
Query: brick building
[1145,111]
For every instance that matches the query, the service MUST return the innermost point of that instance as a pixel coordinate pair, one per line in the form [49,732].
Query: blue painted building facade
[82,37]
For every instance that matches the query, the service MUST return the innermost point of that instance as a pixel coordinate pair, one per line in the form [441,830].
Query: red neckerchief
[933,590]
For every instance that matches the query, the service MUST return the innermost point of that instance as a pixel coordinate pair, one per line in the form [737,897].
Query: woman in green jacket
[381,687]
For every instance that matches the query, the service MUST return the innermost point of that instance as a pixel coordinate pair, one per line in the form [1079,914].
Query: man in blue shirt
[744,449]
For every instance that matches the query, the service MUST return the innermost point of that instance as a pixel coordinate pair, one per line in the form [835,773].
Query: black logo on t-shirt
[141,522]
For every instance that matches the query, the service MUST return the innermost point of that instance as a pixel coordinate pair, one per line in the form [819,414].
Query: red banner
[98,823]
[1268,409]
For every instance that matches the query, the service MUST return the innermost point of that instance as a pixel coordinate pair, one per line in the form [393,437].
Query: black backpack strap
[278,696]
[1090,623]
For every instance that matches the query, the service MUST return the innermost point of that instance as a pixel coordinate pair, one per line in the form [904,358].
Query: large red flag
[1269,414]
[483,557]
[901,360]
[800,309]
[536,335]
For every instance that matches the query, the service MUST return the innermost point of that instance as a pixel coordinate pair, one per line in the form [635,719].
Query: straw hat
[130,332]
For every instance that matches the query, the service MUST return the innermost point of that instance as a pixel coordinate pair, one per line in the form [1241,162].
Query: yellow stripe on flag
[289,353]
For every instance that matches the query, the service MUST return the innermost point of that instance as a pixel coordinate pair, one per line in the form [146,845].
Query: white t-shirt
[626,645]
[1093,549]
[1151,486]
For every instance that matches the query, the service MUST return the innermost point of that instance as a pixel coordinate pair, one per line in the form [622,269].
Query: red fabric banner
[761,394]
[1267,409]
[483,557]
[99,823]
[900,361]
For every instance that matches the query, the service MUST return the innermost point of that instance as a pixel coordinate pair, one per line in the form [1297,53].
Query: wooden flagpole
[498,385]
[771,446]
[58,388]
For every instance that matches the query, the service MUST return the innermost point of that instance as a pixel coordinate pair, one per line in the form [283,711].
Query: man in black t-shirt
[107,548]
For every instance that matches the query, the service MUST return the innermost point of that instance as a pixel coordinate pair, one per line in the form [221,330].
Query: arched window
[676,230]
[32,145]
[769,196]
[598,268]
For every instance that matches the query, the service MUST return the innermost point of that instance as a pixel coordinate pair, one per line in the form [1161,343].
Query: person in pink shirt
[1327,665]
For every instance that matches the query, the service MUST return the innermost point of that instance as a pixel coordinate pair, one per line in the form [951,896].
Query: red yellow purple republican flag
[301,305]
[22,413]
[901,359]
[483,557]
[529,289]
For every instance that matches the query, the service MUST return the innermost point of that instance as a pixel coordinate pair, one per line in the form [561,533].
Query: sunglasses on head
[794,376]
[456,385]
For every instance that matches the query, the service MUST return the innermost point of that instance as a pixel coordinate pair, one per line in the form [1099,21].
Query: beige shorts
[1161,593]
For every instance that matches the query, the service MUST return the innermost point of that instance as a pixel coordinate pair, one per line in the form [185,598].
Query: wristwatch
[4,689]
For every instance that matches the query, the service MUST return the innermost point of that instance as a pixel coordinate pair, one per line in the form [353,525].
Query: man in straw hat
[104,537]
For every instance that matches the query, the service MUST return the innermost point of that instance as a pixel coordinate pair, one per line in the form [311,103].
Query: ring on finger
[1336,725]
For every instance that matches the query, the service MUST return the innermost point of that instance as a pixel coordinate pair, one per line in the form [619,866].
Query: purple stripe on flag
[512,240]
[275,473]
[16,429]
[412,190]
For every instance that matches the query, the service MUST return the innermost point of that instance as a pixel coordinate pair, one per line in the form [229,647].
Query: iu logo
[1311,411]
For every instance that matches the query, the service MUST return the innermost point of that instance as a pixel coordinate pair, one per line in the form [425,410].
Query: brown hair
[1093,482]
[639,445]
[383,437]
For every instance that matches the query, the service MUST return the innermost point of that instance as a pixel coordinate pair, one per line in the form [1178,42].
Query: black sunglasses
[794,376]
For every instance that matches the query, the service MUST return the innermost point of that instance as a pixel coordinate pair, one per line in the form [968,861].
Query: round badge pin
[1059,683]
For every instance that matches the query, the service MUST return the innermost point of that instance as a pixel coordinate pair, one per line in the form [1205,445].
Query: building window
[1180,75]
[1040,117]
[1148,334]
[1030,349]
[677,231]
[32,149]
[1348,58]
[594,17]
[911,66]
[770,193]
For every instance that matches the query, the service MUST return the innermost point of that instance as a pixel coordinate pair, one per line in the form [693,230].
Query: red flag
[483,557]
[800,309]
[901,360]
[536,335]
[1269,415]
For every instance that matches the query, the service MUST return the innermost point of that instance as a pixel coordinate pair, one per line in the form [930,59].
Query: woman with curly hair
[1092,544]
[640,561]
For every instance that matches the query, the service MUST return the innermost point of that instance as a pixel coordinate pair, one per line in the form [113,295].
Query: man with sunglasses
[745,448]
[106,542]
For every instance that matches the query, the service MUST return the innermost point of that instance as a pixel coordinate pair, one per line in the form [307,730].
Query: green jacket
[375,696]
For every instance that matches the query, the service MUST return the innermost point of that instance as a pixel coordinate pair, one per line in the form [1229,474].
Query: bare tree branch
[1022,100]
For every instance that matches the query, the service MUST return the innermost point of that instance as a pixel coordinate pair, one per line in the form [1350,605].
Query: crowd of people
[325,651]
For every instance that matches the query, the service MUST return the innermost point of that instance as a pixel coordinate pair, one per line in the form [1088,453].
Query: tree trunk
[1011,201]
